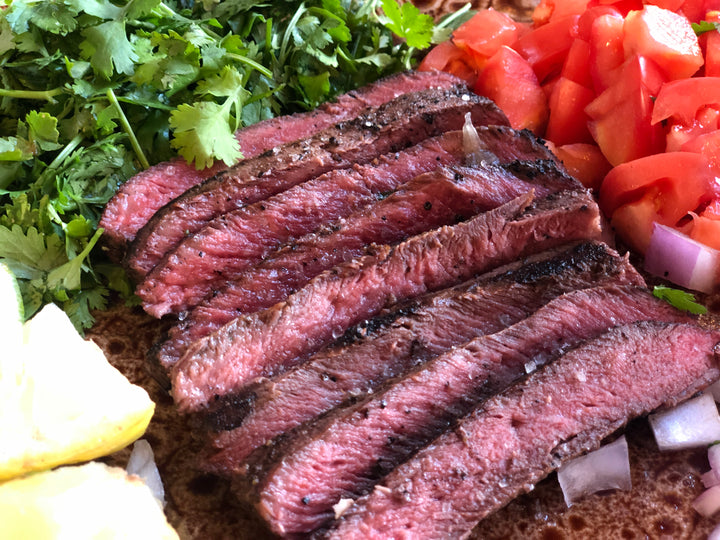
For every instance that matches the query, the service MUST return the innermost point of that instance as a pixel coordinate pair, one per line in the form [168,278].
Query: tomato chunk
[577,63]
[683,178]
[484,34]
[633,221]
[665,37]
[682,99]
[447,56]
[568,122]
[606,50]
[545,47]
[620,116]
[585,162]
[509,80]
[706,230]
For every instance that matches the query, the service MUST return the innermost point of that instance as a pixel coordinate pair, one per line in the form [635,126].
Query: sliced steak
[272,340]
[141,196]
[398,124]
[402,339]
[518,437]
[300,478]
[240,239]
[388,221]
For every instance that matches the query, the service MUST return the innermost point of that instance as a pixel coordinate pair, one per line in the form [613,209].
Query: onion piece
[691,424]
[708,502]
[476,151]
[142,464]
[714,534]
[682,260]
[710,478]
[606,468]
[714,390]
[714,457]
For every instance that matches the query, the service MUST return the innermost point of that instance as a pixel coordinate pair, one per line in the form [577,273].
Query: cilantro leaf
[408,22]
[680,299]
[107,45]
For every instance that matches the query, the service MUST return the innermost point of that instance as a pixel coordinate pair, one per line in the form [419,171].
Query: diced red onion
[710,478]
[142,464]
[714,457]
[708,502]
[682,260]
[714,534]
[605,468]
[475,149]
[691,424]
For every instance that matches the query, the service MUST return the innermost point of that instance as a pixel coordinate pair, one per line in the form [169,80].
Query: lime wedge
[88,501]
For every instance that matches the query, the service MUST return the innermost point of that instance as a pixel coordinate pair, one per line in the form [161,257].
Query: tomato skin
[682,99]
[446,56]
[586,20]
[551,10]
[484,34]
[585,162]
[706,230]
[545,47]
[620,116]
[509,80]
[633,221]
[577,63]
[683,178]
[665,37]
[606,50]
[568,122]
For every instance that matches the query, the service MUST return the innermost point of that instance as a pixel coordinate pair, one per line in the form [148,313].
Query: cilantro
[680,299]
[704,26]
[93,91]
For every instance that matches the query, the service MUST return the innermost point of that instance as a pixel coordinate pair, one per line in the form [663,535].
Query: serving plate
[202,506]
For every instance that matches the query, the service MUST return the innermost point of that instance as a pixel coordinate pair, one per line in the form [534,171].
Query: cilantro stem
[288,32]
[47,95]
[128,129]
[448,21]
[252,63]
[55,163]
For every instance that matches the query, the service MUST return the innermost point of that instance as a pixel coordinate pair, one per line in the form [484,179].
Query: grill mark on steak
[272,340]
[346,452]
[146,192]
[401,339]
[239,239]
[291,267]
[391,127]
[518,437]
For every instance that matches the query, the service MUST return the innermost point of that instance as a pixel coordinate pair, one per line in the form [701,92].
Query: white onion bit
[708,503]
[142,464]
[605,468]
[692,424]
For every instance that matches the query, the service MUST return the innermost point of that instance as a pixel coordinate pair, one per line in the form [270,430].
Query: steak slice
[518,437]
[387,221]
[239,239]
[398,124]
[270,341]
[402,339]
[145,193]
[300,478]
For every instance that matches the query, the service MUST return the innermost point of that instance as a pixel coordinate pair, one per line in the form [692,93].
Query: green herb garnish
[680,299]
[93,91]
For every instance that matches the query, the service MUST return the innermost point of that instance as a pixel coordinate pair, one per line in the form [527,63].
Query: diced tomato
[707,120]
[587,19]
[446,56]
[706,230]
[545,47]
[606,50]
[623,6]
[620,116]
[683,98]
[484,34]
[568,122]
[551,10]
[509,80]
[672,5]
[707,144]
[665,37]
[585,162]
[712,54]
[633,221]
[577,63]
[683,178]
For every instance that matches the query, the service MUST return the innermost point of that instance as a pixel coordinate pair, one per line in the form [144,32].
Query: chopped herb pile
[93,91]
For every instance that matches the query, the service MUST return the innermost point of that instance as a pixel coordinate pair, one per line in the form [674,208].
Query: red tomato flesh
[682,99]
[665,37]
[568,122]
[509,80]
[546,46]
[484,34]
[585,162]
